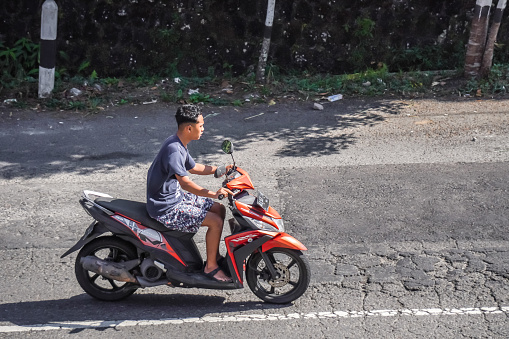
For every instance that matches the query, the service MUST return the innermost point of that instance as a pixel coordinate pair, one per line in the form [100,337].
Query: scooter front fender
[283,240]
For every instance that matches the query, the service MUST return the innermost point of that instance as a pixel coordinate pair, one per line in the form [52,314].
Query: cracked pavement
[403,205]
[447,273]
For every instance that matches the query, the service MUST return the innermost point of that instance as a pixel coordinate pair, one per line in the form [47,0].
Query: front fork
[282,240]
[270,266]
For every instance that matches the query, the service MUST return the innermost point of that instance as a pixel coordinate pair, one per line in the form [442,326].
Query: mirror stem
[233,161]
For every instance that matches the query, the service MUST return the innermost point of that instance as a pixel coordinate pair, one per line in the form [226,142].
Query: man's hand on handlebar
[229,169]
[222,192]
[222,170]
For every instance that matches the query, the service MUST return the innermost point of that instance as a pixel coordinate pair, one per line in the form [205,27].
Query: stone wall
[199,37]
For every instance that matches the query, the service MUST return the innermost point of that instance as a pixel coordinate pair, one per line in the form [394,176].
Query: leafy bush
[18,62]
[497,82]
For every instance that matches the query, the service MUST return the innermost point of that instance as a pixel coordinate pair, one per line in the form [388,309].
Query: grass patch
[98,94]
[497,83]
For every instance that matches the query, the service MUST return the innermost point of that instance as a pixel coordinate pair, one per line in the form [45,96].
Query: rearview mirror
[227,147]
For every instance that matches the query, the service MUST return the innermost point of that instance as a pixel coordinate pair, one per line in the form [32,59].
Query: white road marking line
[254,116]
[69,325]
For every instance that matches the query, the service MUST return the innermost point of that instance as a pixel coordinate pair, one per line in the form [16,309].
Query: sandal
[211,275]
[224,265]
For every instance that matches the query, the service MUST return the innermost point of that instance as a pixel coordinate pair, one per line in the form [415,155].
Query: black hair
[187,113]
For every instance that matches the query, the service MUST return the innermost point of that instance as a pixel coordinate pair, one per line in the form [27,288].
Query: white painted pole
[49,19]
[262,60]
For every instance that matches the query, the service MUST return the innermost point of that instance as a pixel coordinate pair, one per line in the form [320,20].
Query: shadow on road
[307,132]
[42,144]
[136,307]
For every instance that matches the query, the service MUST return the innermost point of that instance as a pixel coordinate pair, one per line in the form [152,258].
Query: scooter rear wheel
[99,287]
[293,275]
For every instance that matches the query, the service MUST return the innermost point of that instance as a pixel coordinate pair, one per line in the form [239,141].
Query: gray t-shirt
[163,188]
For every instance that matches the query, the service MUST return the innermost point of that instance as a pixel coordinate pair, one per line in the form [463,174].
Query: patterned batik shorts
[188,215]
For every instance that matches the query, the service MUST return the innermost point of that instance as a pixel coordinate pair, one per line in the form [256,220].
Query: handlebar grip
[221,196]
[220,171]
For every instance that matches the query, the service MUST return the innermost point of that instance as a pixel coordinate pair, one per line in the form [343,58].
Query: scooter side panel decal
[148,236]
[284,240]
[247,237]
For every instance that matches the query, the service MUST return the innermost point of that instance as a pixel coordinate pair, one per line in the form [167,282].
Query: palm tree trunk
[262,61]
[477,41]
[487,59]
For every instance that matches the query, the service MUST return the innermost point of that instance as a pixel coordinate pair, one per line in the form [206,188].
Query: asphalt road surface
[403,205]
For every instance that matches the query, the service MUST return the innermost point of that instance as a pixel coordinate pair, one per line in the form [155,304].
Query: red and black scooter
[124,249]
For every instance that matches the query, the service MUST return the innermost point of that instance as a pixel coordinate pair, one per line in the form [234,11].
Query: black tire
[294,275]
[109,249]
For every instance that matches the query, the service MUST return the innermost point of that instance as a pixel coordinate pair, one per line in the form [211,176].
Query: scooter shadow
[136,307]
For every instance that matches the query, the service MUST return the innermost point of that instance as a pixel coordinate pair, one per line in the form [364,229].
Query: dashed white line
[69,325]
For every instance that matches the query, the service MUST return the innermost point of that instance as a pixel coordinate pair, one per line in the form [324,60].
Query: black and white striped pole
[49,18]
[262,60]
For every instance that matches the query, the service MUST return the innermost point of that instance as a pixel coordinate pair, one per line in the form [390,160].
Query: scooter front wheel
[108,249]
[292,280]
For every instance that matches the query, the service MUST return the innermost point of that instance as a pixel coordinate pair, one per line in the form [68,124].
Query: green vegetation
[306,86]
[496,83]
[371,82]
[19,65]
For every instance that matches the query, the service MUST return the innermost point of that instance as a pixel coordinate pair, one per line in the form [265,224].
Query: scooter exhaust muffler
[109,269]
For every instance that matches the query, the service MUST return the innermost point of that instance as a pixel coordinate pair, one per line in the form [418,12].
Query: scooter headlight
[261,225]
[280,224]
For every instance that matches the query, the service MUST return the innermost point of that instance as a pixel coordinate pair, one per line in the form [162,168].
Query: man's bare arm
[203,169]
[187,184]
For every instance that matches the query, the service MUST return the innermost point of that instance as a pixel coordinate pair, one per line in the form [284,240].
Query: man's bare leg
[214,222]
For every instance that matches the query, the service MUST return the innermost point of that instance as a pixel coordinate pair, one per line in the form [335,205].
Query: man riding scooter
[126,248]
[187,211]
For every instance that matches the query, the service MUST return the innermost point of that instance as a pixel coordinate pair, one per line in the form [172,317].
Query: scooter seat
[137,211]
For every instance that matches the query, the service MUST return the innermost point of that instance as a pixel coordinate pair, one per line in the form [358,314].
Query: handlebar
[227,178]
[220,170]
[231,170]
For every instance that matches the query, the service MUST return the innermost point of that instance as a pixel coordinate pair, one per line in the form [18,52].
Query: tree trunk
[487,59]
[477,41]
[262,61]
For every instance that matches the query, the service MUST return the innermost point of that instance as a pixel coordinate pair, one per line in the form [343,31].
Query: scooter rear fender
[283,240]
[93,231]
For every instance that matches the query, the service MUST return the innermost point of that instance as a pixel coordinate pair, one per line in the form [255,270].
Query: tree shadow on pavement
[306,132]
[43,145]
[326,140]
